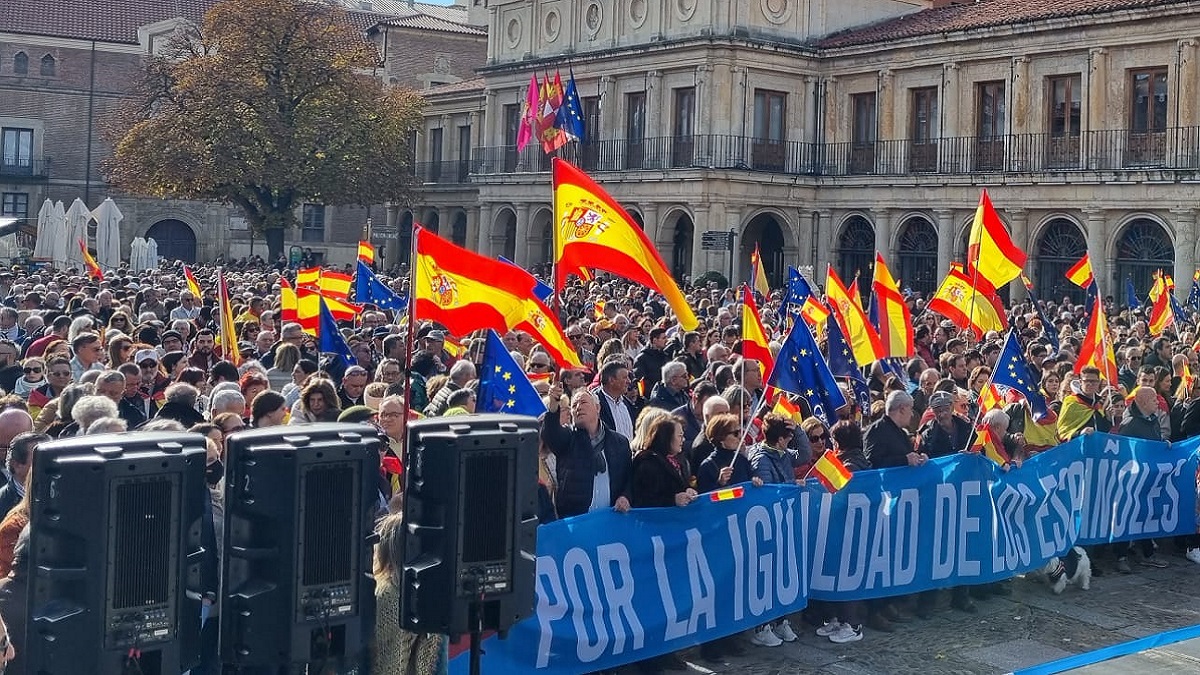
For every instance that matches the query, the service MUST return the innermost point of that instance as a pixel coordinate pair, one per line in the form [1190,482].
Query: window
[685,112]
[923,152]
[464,152]
[863,105]
[435,156]
[48,66]
[21,63]
[770,132]
[16,149]
[512,123]
[1148,100]
[989,106]
[635,129]
[591,118]
[312,224]
[1064,106]
[14,205]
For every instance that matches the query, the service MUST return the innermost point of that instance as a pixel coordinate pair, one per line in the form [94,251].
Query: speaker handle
[62,573]
[246,553]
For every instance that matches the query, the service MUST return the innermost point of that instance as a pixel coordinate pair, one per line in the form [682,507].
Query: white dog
[1075,568]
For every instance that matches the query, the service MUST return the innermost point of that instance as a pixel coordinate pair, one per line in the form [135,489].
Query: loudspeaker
[470,522]
[115,554]
[296,584]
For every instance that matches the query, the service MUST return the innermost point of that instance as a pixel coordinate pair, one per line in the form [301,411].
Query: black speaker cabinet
[115,554]
[470,516]
[299,525]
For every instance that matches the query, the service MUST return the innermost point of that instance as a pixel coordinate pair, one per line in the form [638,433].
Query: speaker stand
[475,616]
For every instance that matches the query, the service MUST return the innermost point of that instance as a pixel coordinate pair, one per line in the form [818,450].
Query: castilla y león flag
[592,231]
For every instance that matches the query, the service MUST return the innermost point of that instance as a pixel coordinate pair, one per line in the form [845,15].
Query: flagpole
[408,338]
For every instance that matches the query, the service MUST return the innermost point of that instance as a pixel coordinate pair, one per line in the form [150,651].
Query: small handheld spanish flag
[93,269]
[598,309]
[785,407]
[831,472]
[366,252]
[192,284]
[726,494]
[989,446]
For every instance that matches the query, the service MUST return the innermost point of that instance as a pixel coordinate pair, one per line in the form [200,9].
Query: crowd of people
[656,416]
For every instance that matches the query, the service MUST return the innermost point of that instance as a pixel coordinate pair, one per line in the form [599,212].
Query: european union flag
[842,364]
[570,115]
[1131,296]
[503,386]
[1011,373]
[1049,335]
[799,369]
[330,340]
[369,290]
[1193,300]
[540,291]
[797,291]
[1180,314]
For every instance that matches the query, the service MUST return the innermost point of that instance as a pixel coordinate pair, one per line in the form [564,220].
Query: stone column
[655,105]
[477,137]
[702,124]
[1187,87]
[521,248]
[883,234]
[948,124]
[449,141]
[699,226]
[391,251]
[491,115]
[650,220]
[1185,251]
[608,107]
[741,100]
[885,106]
[472,241]
[483,230]
[945,247]
[1021,123]
[1097,234]
[821,230]
[831,98]
[1019,219]
[1097,102]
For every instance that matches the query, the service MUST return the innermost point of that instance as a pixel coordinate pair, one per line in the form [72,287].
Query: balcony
[25,168]
[1176,149]
[443,173]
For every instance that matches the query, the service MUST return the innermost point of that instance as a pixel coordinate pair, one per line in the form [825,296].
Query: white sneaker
[765,637]
[831,626]
[847,633]
[1193,554]
[784,631]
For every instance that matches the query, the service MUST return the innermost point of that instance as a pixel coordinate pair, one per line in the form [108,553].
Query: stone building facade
[62,74]
[825,131]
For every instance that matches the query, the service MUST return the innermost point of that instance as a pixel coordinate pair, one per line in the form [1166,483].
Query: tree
[266,105]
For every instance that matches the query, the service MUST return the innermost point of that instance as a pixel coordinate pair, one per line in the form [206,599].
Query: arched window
[681,247]
[20,63]
[1144,248]
[49,65]
[1061,246]
[856,249]
[918,256]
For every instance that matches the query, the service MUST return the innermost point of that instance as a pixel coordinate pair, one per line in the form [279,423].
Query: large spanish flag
[1162,316]
[229,345]
[1080,273]
[335,285]
[851,318]
[966,305]
[1097,349]
[755,342]
[990,249]
[758,274]
[593,231]
[893,318]
[308,277]
[366,252]
[465,291]
[287,301]
[308,309]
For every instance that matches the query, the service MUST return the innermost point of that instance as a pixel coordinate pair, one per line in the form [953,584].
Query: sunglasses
[148,364]
[822,438]
[32,370]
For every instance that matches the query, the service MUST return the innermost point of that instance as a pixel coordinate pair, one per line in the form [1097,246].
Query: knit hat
[356,414]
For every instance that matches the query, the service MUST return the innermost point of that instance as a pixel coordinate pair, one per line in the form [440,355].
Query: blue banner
[617,588]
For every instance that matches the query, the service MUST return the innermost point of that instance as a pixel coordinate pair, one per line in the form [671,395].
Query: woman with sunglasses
[120,350]
[34,376]
[58,376]
[120,321]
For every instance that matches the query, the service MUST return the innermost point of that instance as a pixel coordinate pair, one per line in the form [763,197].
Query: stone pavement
[1030,627]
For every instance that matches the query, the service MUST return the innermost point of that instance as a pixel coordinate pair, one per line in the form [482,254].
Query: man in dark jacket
[616,412]
[671,392]
[885,442]
[650,361]
[593,462]
[946,433]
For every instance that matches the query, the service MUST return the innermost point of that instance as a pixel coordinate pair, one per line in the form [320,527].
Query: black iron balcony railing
[444,173]
[25,168]
[1109,150]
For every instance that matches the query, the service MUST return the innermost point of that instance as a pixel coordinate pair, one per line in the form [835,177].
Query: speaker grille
[486,494]
[329,534]
[141,542]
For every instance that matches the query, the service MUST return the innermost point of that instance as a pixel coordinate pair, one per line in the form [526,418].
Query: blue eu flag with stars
[800,369]
[503,386]
[1011,373]
[369,290]
[330,340]
[797,292]
[570,115]
[842,364]
[1131,296]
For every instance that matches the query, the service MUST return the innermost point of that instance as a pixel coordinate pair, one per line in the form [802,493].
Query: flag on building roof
[1080,273]
[890,313]
[1097,349]
[991,251]
[570,114]
[830,471]
[596,232]
[966,305]
[758,276]
[192,284]
[369,290]
[366,252]
[851,318]
[756,343]
[503,387]
[229,344]
[550,136]
[529,113]
[1013,375]
[799,369]
[465,291]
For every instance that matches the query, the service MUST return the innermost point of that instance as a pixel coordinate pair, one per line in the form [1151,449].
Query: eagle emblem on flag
[445,290]
[581,221]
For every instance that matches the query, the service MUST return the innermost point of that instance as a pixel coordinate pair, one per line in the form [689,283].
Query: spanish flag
[1080,273]
[989,446]
[785,407]
[308,309]
[465,291]
[366,252]
[93,270]
[990,398]
[758,274]
[966,305]
[1097,349]
[192,284]
[1162,316]
[990,250]
[287,301]
[310,277]
[890,313]
[725,494]
[851,318]
[755,342]
[595,232]
[335,285]
[598,309]
[229,345]
[830,470]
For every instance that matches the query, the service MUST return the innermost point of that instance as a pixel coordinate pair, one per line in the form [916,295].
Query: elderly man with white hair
[594,463]
[87,410]
[461,373]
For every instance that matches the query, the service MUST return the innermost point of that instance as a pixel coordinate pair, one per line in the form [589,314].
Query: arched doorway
[681,247]
[1061,245]
[541,230]
[637,218]
[855,251]
[458,231]
[917,253]
[431,221]
[1143,248]
[175,239]
[405,231]
[504,234]
[766,231]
